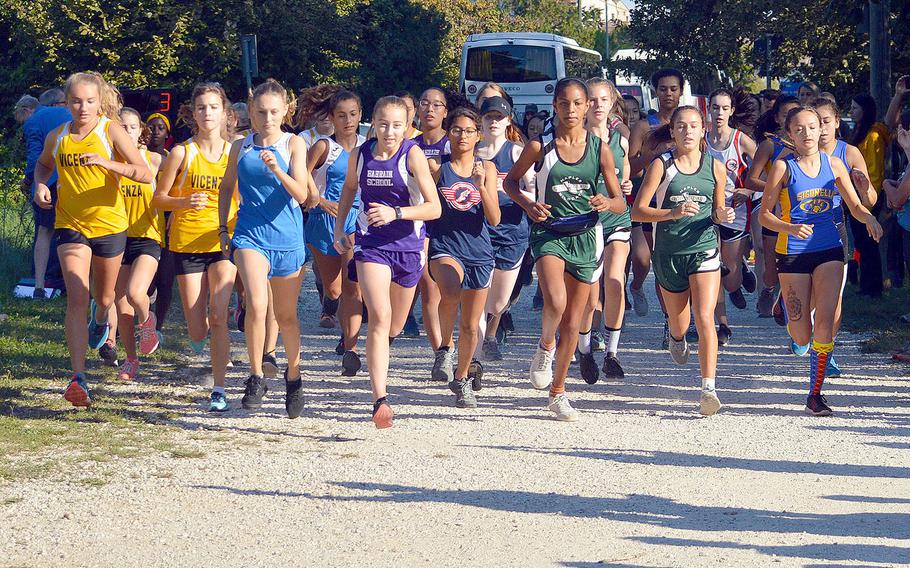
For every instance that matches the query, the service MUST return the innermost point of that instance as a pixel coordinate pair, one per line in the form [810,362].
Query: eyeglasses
[424,104]
[459,132]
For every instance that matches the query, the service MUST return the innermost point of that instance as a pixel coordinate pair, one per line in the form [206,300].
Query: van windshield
[511,64]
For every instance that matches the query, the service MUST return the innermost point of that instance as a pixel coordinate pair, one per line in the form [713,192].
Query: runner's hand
[94,160]
[626,187]
[741,195]
[343,243]
[379,215]
[478,174]
[268,158]
[225,239]
[43,196]
[874,229]
[538,212]
[599,202]
[198,200]
[725,214]
[685,209]
[329,207]
[801,231]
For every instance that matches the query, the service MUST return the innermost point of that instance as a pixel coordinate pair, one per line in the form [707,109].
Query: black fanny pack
[571,225]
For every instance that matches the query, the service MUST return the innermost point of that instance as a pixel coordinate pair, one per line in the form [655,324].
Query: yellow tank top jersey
[144,222]
[88,197]
[196,231]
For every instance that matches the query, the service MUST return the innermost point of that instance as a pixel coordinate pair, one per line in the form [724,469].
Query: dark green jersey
[689,234]
[612,221]
[566,187]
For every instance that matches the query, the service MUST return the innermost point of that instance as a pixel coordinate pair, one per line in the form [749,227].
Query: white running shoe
[542,368]
[639,302]
[710,404]
[560,405]
[679,350]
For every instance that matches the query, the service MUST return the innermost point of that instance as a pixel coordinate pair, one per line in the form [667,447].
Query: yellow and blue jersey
[807,200]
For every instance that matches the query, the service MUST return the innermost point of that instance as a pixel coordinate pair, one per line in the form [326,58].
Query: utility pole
[768,60]
[607,64]
[879,54]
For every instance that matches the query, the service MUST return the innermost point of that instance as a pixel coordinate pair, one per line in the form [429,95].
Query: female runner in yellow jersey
[188,185]
[144,238]
[89,153]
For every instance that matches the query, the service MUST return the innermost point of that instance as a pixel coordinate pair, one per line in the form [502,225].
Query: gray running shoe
[679,350]
[765,304]
[639,302]
[491,350]
[442,365]
[350,364]
[464,394]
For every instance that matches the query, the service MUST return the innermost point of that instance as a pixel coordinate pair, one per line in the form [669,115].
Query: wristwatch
[398,213]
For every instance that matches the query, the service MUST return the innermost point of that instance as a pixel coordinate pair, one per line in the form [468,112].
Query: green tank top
[613,221]
[689,234]
[566,187]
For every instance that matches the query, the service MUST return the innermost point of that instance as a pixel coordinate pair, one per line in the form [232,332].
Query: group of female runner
[451,210]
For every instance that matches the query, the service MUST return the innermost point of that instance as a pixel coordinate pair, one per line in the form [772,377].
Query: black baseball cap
[496,104]
[530,108]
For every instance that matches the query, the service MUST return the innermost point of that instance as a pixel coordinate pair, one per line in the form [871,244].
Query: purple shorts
[407,267]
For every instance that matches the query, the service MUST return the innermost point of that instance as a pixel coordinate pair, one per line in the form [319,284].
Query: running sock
[707,383]
[818,361]
[329,306]
[218,390]
[556,391]
[612,340]
[482,336]
[584,342]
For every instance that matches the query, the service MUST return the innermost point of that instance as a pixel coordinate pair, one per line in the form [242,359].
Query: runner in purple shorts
[398,195]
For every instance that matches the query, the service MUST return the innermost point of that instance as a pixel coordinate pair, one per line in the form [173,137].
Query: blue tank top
[809,200]
[435,151]
[461,231]
[268,214]
[513,225]
[388,182]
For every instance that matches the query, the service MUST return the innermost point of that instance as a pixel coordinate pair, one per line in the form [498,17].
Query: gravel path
[640,480]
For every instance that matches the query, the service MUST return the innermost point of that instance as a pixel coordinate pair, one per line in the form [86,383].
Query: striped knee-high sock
[818,362]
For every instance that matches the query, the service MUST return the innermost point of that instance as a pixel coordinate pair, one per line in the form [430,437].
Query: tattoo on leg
[794,305]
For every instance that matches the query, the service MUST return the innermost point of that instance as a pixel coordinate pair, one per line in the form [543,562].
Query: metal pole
[768,61]
[579,10]
[607,64]
[879,53]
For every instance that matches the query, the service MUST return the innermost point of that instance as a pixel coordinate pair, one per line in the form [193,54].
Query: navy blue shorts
[476,277]
[509,256]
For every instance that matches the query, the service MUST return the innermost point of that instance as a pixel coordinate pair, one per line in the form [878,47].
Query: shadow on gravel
[832,551]
[867,499]
[648,457]
[654,511]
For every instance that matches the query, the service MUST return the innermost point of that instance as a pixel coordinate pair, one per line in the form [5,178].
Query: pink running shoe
[128,370]
[148,339]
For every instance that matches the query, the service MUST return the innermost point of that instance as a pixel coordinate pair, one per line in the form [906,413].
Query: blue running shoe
[798,350]
[219,403]
[97,332]
[832,370]
[77,392]
[198,346]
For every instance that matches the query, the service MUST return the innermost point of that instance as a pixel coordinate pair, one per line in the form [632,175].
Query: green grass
[879,316]
[41,434]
